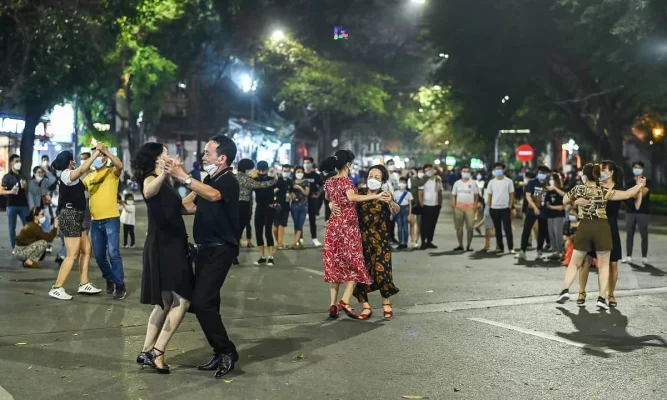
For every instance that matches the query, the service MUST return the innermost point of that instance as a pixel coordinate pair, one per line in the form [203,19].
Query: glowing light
[450,161]
[446,142]
[418,1]
[421,110]
[182,85]
[443,55]
[436,162]
[340,33]
[246,83]
[406,159]
[437,87]
[507,97]
[658,133]
[278,35]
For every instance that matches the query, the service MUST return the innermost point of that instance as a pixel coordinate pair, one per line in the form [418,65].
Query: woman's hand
[335,209]
[641,181]
[385,196]
[581,202]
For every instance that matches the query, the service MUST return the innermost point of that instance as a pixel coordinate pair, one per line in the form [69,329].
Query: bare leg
[571,272]
[583,274]
[270,251]
[261,251]
[333,292]
[349,290]
[276,234]
[603,272]
[297,238]
[156,321]
[84,258]
[72,246]
[179,306]
[613,277]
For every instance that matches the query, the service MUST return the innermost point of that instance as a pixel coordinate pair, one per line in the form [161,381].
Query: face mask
[129,202]
[374,184]
[402,185]
[604,177]
[479,177]
[210,169]
[299,175]
[42,220]
[286,175]
[572,218]
[580,174]
[307,167]
[541,177]
[38,178]
[498,172]
[98,163]
[420,175]
[45,164]
[635,171]
[17,166]
[391,168]
[465,175]
[552,182]
[430,173]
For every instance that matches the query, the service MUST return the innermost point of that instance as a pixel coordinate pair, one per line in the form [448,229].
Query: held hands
[641,181]
[174,167]
[385,197]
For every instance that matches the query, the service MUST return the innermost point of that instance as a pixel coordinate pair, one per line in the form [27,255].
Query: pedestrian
[555,213]
[283,197]
[51,185]
[32,240]
[247,185]
[637,217]
[102,184]
[374,219]
[39,196]
[216,234]
[71,210]
[167,280]
[430,202]
[265,212]
[14,187]
[416,181]
[501,202]
[593,232]
[128,219]
[343,255]
[316,187]
[534,194]
[465,199]
[481,183]
[404,199]
[300,192]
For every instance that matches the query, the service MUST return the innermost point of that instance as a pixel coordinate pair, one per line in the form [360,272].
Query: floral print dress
[373,220]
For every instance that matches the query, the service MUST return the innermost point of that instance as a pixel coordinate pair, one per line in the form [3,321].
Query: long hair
[62,161]
[145,161]
[33,213]
[592,172]
[613,167]
[341,159]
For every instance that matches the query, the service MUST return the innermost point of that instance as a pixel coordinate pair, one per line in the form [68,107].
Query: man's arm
[115,161]
[203,190]
[420,195]
[6,190]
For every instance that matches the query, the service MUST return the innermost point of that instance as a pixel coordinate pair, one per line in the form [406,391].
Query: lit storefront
[258,142]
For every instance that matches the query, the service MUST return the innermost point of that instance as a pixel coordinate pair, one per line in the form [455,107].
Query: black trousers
[430,216]
[128,230]
[542,231]
[502,218]
[264,216]
[313,208]
[211,268]
[245,213]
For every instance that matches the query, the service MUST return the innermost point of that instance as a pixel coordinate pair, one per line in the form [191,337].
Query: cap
[262,165]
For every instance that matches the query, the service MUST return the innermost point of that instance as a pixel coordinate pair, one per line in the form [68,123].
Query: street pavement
[466,326]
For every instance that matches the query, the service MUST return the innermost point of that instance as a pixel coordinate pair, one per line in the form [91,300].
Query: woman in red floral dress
[343,254]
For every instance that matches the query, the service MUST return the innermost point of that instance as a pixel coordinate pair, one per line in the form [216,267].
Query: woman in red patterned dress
[343,254]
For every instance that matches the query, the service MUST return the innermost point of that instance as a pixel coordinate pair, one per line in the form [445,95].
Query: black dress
[165,261]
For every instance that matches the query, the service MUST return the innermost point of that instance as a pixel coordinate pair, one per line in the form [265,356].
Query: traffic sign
[525,152]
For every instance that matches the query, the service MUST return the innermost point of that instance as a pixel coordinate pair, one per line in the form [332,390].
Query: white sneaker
[316,243]
[59,293]
[521,255]
[89,288]
[415,245]
[644,260]
[627,260]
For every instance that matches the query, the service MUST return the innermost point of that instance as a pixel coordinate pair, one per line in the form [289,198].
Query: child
[404,199]
[127,219]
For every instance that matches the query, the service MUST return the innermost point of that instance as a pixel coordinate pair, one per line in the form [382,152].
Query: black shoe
[269,262]
[261,261]
[43,256]
[59,260]
[153,354]
[460,248]
[469,248]
[120,293]
[431,246]
[563,297]
[213,363]
[402,246]
[424,246]
[225,365]
[602,303]
[110,287]
[236,261]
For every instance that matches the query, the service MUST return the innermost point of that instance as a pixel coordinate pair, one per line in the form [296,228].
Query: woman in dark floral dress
[373,219]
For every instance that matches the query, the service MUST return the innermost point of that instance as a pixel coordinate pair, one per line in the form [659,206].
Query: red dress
[343,254]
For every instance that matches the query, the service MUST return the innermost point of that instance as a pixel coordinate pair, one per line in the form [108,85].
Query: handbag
[276,206]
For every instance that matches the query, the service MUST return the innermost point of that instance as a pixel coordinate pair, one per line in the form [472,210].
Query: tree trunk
[33,113]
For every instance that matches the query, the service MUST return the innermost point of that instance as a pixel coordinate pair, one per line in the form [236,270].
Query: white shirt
[431,188]
[406,201]
[465,193]
[127,214]
[64,177]
[500,190]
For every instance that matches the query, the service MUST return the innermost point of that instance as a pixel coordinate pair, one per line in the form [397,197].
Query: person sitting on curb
[32,241]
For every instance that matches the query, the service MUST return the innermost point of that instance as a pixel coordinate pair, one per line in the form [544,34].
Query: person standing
[637,217]
[534,193]
[404,199]
[300,190]
[102,184]
[216,233]
[465,199]
[430,201]
[264,215]
[555,211]
[128,219]
[14,187]
[416,181]
[283,195]
[501,201]
[86,214]
[391,185]
[247,184]
[316,187]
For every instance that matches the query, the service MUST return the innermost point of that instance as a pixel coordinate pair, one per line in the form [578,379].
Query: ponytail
[592,172]
[339,160]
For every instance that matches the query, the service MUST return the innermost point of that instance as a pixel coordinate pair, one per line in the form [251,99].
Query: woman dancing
[167,279]
[593,232]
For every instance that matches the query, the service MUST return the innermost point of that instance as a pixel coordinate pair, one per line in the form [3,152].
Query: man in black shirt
[637,218]
[284,186]
[14,186]
[316,186]
[216,233]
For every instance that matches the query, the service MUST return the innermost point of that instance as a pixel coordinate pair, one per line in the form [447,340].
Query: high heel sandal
[144,360]
[333,312]
[582,299]
[347,309]
[363,317]
[387,314]
[612,301]
[153,354]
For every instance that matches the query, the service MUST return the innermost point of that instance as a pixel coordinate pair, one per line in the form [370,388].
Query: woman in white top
[71,207]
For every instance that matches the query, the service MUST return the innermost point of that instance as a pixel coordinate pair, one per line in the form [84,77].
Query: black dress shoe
[214,362]
[225,365]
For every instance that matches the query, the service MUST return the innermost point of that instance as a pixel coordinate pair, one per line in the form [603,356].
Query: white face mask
[17,166]
[129,202]
[286,175]
[210,169]
[420,175]
[374,184]
[42,220]
[299,175]
[430,173]
[45,164]
[552,182]
[307,167]
[391,168]
[402,185]
[38,178]
[572,218]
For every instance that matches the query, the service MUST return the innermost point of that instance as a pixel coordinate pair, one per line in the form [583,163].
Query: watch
[187,181]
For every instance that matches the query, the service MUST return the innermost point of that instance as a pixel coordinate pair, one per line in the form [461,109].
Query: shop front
[259,142]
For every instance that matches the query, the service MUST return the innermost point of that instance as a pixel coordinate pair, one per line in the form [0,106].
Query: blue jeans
[105,234]
[403,227]
[299,212]
[12,213]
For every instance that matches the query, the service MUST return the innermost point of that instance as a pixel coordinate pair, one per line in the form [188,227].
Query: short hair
[33,213]
[383,171]
[465,167]
[391,160]
[543,168]
[14,157]
[86,153]
[311,159]
[129,196]
[299,168]
[46,156]
[640,163]
[226,147]
[287,166]
[34,170]
[499,164]
[428,166]
[403,179]
[246,165]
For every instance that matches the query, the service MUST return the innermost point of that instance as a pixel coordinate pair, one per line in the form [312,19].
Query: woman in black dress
[167,278]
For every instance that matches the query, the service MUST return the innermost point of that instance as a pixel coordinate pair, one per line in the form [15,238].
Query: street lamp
[278,35]
[443,55]
[418,1]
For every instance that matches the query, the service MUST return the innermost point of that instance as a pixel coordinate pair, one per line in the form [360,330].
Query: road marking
[543,335]
[312,271]
[4,395]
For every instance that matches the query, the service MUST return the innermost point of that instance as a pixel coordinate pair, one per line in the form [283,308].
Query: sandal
[154,353]
[387,314]
[581,299]
[250,245]
[612,301]
[363,317]
[347,309]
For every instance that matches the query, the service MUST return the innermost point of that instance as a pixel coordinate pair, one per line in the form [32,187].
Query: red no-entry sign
[525,152]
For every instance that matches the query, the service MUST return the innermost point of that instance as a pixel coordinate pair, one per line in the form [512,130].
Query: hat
[262,166]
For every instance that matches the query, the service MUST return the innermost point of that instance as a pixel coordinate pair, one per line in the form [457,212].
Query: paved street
[469,326]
